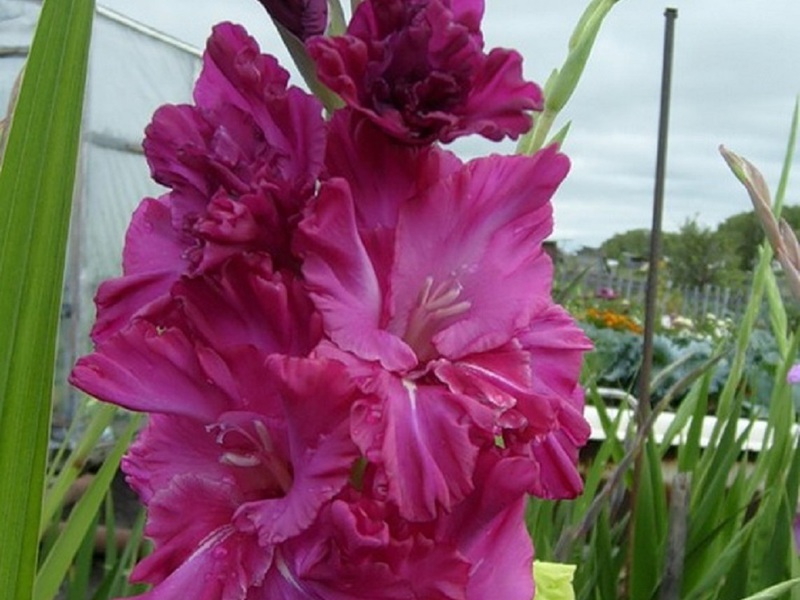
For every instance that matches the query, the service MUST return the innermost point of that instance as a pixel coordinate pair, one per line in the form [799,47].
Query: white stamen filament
[240,460]
[264,455]
[433,306]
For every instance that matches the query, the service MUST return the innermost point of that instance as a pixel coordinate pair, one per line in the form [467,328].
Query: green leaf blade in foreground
[36,184]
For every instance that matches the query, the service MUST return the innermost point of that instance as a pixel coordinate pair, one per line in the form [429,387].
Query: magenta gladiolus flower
[418,70]
[225,492]
[343,334]
[241,165]
[447,366]
[302,18]
[361,548]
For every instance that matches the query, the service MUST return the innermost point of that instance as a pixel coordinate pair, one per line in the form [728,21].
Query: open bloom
[419,71]
[226,492]
[241,164]
[407,288]
[346,342]
[361,548]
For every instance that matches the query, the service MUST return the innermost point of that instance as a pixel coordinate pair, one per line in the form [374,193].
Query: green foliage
[634,243]
[562,82]
[67,545]
[741,235]
[726,532]
[36,182]
[689,252]
[734,244]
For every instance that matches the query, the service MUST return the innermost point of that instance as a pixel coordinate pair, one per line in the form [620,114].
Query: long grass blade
[57,562]
[54,498]
[775,591]
[36,184]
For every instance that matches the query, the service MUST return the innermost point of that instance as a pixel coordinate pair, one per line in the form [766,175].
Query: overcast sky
[736,76]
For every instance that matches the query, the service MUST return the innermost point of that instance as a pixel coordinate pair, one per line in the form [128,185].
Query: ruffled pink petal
[484,226]
[199,554]
[246,303]
[420,435]
[500,99]
[153,259]
[148,369]
[468,13]
[236,74]
[557,345]
[176,146]
[119,300]
[419,72]
[489,530]
[495,377]
[557,457]
[343,283]
[320,450]
[151,243]
[361,549]
[170,447]
[382,173]
[502,558]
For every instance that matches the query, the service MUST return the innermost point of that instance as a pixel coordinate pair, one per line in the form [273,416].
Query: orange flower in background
[610,319]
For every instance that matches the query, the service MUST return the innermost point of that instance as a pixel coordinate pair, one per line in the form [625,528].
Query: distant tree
[698,255]
[695,256]
[635,242]
[741,235]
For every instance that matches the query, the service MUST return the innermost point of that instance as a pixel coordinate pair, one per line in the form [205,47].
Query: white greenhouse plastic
[132,70]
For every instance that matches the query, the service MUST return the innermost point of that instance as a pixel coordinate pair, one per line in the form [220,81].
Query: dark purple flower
[302,18]
[418,69]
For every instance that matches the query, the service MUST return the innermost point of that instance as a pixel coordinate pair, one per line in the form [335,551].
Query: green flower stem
[562,82]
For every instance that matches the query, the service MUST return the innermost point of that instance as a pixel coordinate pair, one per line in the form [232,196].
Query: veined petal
[362,549]
[420,435]
[316,397]
[199,554]
[120,299]
[500,98]
[382,173]
[246,303]
[236,73]
[495,377]
[151,243]
[419,72]
[557,346]
[234,70]
[552,427]
[171,447]
[557,457]
[484,226]
[148,369]
[153,259]
[501,557]
[343,283]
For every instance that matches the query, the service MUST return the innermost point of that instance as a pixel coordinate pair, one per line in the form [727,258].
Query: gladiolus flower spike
[343,334]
